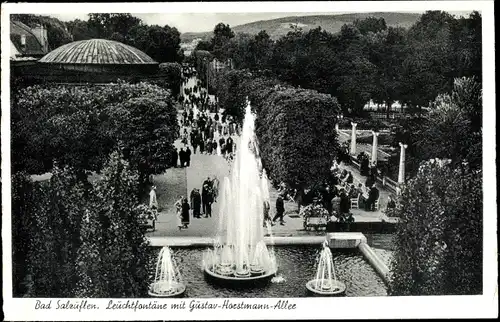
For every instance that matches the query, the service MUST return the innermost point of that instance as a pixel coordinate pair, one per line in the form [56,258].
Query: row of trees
[80,127]
[70,240]
[366,59]
[290,122]
[160,43]
[438,243]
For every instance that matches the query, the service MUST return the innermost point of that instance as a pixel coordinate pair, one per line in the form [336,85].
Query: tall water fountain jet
[168,281]
[326,283]
[240,253]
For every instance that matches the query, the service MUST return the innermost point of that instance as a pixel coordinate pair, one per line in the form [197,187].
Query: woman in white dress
[178,212]
[216,139]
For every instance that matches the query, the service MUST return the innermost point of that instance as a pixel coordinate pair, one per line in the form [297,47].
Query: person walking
[182,157]
[280,209]
[204,198]
[372,198]
[195,202]
[185,213]
[178,212]
[153,202]
[188,156]
[175,157]
[208,206]
[202,145]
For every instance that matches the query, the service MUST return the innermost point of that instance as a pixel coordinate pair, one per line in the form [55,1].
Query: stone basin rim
[340,285]
[181,289]
[267,274]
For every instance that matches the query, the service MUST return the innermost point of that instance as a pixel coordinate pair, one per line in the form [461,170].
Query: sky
[195,22]
[200,22]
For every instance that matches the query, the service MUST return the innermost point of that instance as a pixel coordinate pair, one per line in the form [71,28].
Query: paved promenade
[180,181]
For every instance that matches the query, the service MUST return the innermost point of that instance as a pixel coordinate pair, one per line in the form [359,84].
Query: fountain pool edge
[351,240]
[208,242]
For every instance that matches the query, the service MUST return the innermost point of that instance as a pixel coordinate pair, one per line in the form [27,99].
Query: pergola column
[353,138]
[375,146]
[401,176]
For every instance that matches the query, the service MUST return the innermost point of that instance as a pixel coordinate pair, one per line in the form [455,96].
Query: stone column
[401,176]
[375,146]
[353,138]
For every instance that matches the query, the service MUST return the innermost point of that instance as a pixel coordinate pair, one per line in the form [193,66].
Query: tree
[439,239]
[113,257]
[204,45]
[80,126]
[370,24]
[454,127]
[80,30]
[105,24]
[160,43]
[466,38]
[428,69]
[289,123]
[222,35]
[387,51]
[51,215]
[232,93]
[171,76]
[145,127]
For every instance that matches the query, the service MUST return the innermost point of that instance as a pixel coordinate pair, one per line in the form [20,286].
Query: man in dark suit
[280,209]
[188,156]
[345,203]
[372,198]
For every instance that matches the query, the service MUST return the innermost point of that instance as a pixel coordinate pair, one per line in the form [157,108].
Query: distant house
[27,43]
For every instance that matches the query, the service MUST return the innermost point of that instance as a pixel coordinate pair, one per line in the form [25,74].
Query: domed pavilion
[96,61]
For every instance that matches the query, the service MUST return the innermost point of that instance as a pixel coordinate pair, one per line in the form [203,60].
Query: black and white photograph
[194,162]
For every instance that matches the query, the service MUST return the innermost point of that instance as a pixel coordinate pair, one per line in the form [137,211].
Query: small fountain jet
[326,283]
[168,281]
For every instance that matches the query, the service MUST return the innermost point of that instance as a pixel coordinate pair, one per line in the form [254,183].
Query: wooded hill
[331,23]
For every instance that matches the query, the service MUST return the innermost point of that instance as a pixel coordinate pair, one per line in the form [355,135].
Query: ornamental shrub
[438,244]
[112,259]
[47,236]
[80,127]
[298,142]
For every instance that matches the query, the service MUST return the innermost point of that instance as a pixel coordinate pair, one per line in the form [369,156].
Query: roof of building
[97,51]
[33,45]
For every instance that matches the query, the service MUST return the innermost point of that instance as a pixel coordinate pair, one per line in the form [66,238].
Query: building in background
[27,43]
[91,61]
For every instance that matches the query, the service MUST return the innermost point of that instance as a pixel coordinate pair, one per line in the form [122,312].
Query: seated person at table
[391,203]
[348,178]
[362,195]
[345,203]
[353,193]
